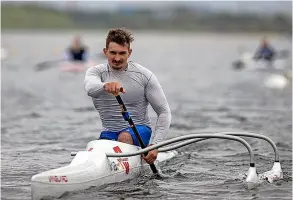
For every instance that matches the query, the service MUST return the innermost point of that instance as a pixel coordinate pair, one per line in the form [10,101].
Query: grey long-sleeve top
[142,88]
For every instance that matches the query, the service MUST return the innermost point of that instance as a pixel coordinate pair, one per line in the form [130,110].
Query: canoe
[93,168]
[66,66]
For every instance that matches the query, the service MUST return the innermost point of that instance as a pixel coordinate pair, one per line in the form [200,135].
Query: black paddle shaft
[132,125]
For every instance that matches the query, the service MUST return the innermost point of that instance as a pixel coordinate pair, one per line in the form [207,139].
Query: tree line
[36,17]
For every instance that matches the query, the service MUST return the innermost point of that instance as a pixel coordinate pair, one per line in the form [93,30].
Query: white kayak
[278,72]
[93,168]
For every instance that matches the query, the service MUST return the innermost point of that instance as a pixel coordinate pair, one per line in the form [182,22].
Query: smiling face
[117,55]
[118,48]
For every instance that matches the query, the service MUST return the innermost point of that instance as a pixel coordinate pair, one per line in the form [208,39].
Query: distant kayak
[246,62]
[278,73]
[66,66]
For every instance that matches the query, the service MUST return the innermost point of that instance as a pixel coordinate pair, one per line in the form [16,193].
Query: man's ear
[130,51]
[105,51]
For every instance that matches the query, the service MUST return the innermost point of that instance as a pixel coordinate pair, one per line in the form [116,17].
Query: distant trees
[179,18]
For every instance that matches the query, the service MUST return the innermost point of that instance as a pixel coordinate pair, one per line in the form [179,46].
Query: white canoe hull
[92,168]
[75,66]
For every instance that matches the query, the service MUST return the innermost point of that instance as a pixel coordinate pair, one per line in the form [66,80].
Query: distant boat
[75,66]
[246,62]
[279,76]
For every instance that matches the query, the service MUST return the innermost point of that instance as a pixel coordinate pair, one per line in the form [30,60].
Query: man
[77,52]
[265,51]
[141,88]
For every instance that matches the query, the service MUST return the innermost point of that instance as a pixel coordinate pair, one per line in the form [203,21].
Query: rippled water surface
[47,114]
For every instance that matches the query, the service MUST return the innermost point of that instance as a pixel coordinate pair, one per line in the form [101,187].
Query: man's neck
[124,68]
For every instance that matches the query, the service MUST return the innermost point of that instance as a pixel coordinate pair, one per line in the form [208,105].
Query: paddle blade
[238,65]
[46,65]
[42,66]
[283,54]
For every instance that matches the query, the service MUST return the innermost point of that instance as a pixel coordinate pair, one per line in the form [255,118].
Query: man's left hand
[152,156]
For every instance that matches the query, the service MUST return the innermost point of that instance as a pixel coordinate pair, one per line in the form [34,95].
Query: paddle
[282,54]
[127,117]
[51,63]
[46,64]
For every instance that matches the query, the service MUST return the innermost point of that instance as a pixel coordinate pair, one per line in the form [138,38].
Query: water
[46,115]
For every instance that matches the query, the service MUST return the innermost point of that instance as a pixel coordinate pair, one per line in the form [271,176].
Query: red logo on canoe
[124,161]
[58,179]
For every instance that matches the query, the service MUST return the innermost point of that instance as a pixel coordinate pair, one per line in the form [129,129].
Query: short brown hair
[120,36]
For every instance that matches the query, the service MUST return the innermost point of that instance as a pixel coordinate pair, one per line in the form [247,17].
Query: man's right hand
[113,88]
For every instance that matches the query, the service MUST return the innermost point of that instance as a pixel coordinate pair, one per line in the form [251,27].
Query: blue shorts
[145,133]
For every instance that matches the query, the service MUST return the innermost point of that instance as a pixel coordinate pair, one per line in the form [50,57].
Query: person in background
[265,51]
[77,52]
[141,89]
